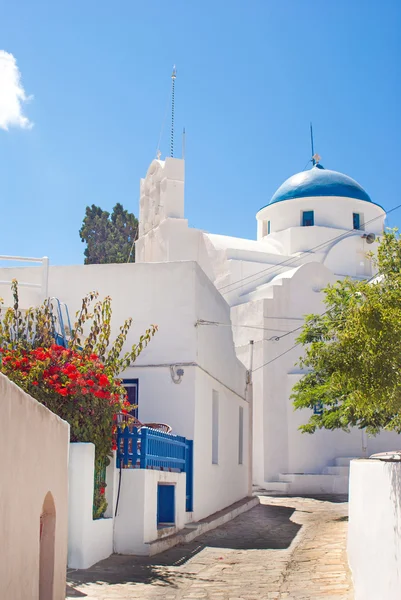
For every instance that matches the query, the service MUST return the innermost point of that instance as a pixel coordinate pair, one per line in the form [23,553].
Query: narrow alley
[285,548]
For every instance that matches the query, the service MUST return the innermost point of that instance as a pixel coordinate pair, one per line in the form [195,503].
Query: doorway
[47,533]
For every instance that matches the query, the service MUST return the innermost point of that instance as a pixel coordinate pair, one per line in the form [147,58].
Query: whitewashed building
[317,228]
[211,295]
[188,377]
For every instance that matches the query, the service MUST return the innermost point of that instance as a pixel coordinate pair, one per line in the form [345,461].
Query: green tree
[108,238]
[353,351]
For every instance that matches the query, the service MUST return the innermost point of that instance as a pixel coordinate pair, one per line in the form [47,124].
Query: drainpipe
[249,395]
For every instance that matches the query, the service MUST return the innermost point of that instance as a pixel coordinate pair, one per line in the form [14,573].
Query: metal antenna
[183,143]
[173,78]
[311,141]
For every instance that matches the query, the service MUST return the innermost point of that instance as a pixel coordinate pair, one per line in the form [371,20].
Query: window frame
[303,218]
[133,383]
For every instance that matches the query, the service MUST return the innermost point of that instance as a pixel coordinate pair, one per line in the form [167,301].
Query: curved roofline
[319,182]
[268,205]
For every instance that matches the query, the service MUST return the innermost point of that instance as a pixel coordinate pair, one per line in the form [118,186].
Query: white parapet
[374,535]
[88,540]
[136,521]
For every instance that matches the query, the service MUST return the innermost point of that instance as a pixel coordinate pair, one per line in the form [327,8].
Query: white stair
[336,471]
[333,480]
[305,483]
[281,487]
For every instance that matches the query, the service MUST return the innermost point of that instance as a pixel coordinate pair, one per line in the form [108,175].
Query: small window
[241,436]
[356,221]
[215,428]
[268,227]
[131,386]
[307,218]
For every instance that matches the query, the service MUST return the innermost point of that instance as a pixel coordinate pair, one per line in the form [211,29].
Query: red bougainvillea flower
[35,383]
[104,380]
[90,382]
[63,392]
[102,490]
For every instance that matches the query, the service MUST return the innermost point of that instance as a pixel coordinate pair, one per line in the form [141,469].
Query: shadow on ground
[262,528]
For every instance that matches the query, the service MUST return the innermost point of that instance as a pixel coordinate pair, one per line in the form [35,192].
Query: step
[281,487]
[336,471]
[315,483]
[343,461]
[194,529]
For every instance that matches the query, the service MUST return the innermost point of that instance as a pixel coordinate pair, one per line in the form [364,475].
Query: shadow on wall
[262,528]
[395,495]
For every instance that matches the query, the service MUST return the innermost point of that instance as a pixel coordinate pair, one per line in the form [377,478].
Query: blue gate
[146,448]
[189,470]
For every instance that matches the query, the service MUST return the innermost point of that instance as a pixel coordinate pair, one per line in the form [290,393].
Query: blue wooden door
[165,504]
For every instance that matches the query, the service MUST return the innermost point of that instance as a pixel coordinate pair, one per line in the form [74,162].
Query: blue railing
[147,448]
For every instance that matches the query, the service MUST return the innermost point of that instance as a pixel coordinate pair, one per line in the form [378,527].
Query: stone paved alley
[292,548]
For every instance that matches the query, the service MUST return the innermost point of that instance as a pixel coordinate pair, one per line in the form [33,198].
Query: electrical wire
[275,358]
[293,259]
[298,343]
[274,338]
[231,325]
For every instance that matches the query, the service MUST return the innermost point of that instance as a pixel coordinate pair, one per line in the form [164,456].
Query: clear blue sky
[251,75]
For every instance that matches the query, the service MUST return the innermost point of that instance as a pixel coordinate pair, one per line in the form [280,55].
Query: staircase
[332,480]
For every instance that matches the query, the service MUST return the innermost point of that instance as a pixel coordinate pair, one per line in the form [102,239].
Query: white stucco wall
[88,540]
[218,485]
[174,296]
[333,212]
[374,532]
[34,450]
[279,446]
[136,521]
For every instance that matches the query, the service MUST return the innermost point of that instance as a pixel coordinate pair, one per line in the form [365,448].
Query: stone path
[292,548]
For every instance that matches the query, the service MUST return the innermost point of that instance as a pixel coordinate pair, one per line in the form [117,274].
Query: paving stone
[283,549]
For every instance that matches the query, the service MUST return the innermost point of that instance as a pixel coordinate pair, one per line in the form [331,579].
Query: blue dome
[319,181]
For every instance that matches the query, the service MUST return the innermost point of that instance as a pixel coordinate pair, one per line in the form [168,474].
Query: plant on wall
[352,352]
[80,383]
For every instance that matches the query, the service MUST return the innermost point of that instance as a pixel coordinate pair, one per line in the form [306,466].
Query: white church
[316,229]
[222,366]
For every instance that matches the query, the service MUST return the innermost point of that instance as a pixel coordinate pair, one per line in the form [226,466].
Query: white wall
[136,520]
[218,485]
[34,450]
[279,446]
[163,401]
[374,533]
[333,212]
[88,540]
[174,296]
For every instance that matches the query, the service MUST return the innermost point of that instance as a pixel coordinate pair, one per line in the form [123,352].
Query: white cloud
[12,94]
